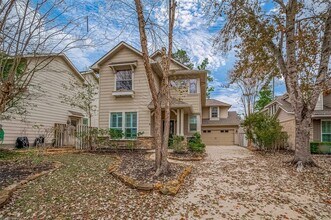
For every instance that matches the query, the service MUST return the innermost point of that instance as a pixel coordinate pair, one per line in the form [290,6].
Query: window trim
[123,121]
[189,123]
[218,112]
[322,128]
[132,80]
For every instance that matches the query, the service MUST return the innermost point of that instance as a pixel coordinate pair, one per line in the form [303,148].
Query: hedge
[320,147]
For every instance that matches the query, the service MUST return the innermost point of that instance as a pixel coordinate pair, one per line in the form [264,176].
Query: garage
[220,136]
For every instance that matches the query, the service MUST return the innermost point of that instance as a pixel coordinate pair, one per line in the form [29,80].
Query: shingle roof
[174,103]
[286,106]
[76,114]
[232,119]
[214,102]
[284,103]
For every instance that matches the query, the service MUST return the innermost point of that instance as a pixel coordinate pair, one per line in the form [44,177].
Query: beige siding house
[321,124]
[125,98]
[48,107]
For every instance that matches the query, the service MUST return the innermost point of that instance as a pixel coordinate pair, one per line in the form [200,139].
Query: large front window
[123,80]
[193,123]
[326,131]
[125,122]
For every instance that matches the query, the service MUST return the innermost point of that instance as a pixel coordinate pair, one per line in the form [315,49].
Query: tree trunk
[89,130]
[302,137]
[158,135]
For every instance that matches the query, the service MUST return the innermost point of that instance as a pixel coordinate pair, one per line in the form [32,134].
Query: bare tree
[161,97]
[297,35]
[32,34]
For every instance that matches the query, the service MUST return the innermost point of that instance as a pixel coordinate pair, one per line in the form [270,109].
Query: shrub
[314,147]
[178,144]
[116,134]
[195,144]
[320,147]
[265,131]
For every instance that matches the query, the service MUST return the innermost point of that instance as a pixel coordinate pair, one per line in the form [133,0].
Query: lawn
[232,183]
[81,189]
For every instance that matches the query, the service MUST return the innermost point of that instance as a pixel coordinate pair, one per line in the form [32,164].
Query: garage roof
[214,102]
[232,119]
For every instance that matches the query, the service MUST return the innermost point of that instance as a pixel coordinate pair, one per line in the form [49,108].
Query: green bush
[116,134]
[314,147]
[195,144]
[265,131]
[178,144]
[320,147]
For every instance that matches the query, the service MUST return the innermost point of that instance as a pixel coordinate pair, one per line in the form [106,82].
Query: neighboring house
[321,123]
[126,104]
[92,78]
[48,107]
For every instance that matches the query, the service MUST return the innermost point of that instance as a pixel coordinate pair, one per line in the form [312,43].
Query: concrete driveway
[235,183]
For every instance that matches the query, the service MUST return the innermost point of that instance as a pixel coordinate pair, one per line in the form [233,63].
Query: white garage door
[218,136]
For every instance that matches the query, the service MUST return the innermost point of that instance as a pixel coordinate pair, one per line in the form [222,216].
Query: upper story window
[124,80]
[214,112]
[193,87]
[179,83]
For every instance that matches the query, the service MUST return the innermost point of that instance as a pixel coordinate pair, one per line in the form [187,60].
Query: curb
[185,159]
[7,192]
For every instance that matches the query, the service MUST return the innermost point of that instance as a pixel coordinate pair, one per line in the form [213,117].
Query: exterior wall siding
[289,128]
[48,108]
[142,97]
[319,104]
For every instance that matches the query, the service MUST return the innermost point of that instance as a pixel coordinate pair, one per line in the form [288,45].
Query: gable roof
[64,57]
[215,102]
[158,52]
[122,44]
[118,47]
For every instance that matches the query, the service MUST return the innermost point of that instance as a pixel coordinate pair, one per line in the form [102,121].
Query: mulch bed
[16,170]
[138,166]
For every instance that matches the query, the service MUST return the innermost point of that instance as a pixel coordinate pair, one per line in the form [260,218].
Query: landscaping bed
[19,169]
[187,156]
[139,167]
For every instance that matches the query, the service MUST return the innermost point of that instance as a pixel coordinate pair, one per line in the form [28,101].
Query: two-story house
[321,123]
[46,107]
[125,99]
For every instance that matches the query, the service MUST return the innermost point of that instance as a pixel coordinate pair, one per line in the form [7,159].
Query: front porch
[181,123]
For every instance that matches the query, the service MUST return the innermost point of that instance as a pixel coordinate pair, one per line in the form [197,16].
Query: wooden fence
[69,135]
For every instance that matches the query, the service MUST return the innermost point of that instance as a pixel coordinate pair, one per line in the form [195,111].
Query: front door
[172,128]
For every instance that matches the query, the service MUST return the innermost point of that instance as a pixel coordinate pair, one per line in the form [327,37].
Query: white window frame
[322,129]
[132,79]
[123,122]
[189,123]
[211,111]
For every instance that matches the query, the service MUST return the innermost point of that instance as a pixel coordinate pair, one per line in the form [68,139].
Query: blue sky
[111,22]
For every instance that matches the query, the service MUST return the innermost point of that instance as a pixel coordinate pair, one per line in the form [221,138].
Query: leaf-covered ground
[232,183]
